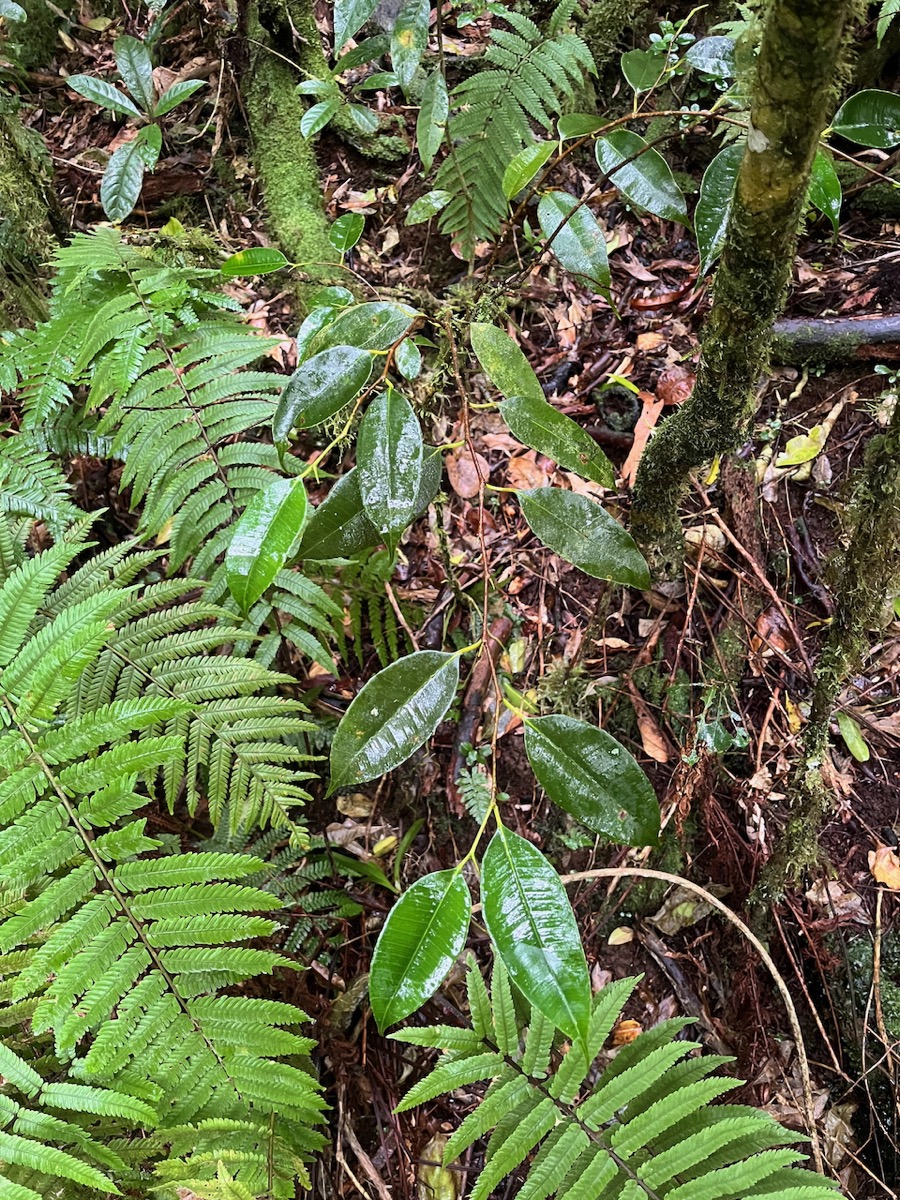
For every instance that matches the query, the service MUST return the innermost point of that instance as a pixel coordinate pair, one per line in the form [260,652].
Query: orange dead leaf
[523,471]
[650,414]
[885,866]
[625,1032]
[464,474]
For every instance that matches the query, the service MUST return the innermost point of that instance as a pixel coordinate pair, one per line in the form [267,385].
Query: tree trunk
[792,97]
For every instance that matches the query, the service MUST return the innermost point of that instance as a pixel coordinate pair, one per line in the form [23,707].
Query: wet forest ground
[705,679]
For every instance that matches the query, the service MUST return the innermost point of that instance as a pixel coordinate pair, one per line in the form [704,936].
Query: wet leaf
[825,188]
[523,168]
[577,239]
[648,181]
[408,359]
[409,38]
[136,70]
[319,388]
[431,123]
[346,231]
[713,56]
[176,94]
[103,93]
[542,427]
[641,69]
[258,260]
[531,923]
[396,712]
[349,18]
[427,206]
[584,534]
[373,326]
[870,118]
[589,774]
[803,448]
[317,117]
[389,461]
[421,939]
[122,180]
[576,125]
[853,737]
[503,362]
[268,528]
[714,206]
[363,118]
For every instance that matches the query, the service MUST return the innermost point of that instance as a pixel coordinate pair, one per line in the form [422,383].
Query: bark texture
[799,56]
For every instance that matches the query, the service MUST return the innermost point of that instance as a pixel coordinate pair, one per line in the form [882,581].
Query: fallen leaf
[675,384]
[646,422]
[885,866]
[523,471]
[649,341]
[625,1032]
[464,474]
[682,908]
[652,739]
[621,936]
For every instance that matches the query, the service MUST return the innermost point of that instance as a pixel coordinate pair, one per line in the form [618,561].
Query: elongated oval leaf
[577,239]
[269,526]
[713,56]
[103,93]
[409,38]
[576,125]
[373,326]
[545,429]
[136,70]
[122,180]
[346,231]
[714,206]
[641,69]
[319,388]
[648,181]
[870,118]
[583,533]
[533,928]
[364,119]
[592,776]
[349,18]
[395,713]
[825,188]
[427,206]
[258,260]
[389,461]
[174,95]
[523,168]
[503,362]
[421,939]
[317,117]
[431,123]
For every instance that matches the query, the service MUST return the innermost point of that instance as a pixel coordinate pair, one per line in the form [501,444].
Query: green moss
[26,235]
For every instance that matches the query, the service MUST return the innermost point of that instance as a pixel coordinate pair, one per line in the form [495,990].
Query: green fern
[113,953]
[32,485]
[494,113]
[646,1127]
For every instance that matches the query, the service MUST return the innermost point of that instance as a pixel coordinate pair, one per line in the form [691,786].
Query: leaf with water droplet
[389,460]
[319,388]
[268,528]
[544,428]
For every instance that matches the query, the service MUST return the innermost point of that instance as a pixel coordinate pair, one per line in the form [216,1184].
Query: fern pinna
[645,1128]
[530,72]
[123,1052]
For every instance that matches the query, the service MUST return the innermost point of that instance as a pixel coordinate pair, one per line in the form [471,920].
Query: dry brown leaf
[650,414]
[523,471]
[885,866]
[464,474]
[625,1032]
[652,738]
[675,384]
[649,341]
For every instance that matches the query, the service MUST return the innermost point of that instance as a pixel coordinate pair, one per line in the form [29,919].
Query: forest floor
[704,680]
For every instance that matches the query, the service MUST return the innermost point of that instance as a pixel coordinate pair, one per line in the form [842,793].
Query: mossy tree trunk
[794,90]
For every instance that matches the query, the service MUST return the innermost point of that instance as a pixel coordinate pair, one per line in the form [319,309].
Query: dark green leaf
[583,533]
[648,181]
[268,528]
[869,118]
[149,140]
[349,18]
[577,125]
[533,928]
[319,388]
[431,123]
[590,775]
[427,206]
[642,70]
[332,296]
[318,116]
[364,52]
[714,206]
[178,92]
[389,462]
[122,179]
[318,87]
[421,939]
[363,118]
[408,359]
[503,362]
[578,243]
[542,427]
[825,188]
[523,168]
[103,93]
[378,81]
[409,37]
[396,712]
[713,56]
[312,325]
[136,70]
[258,260]
[346,231]
[374,326]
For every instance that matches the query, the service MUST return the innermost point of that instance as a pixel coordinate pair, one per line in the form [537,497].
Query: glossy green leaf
[589,774]
[177,94]
[853,738]
[331,295]
[122,180]
[870,118]
[714,206]
[427,206]
[647,181]
[364,119]
[584,534]
[349,18]
[523,168]
[136,70]
[346,231]
[396,712]
[362,53]
[421,939]
[319,388]
[408,359]
[577,239]
[149,140]
[409,38]
[258,260]
[641,69]
[377,81]
[317,117]
[577,125]
[713,56]
[542,427]
[825,188]
[312,325]
[268,528]
[104,94]
[318,87]
[389,455]
[533,928]
[503,362]
[431,123]
[340,525]
[373,326]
